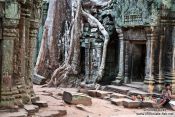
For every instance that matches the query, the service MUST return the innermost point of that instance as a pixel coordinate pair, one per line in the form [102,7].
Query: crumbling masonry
[142,43]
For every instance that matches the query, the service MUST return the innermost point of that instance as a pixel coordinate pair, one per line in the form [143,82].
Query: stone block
[82,90]
[118,102]
[102,94]
[118,95]
[138,92]
[38,79]
[31,109]
[131,104]
[76,98]
[35,98]
[117,89]
[41,103]
[92,93]
[52,113]
[20,113]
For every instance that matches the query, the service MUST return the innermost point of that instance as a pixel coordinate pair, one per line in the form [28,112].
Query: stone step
[99,93]
[137,92]
[131,104]
[118,95]
[118,102]
[136,85]
[51,113]
[38,79]
[31,109]
[128,103]
[129,91]
[117,89]
[20,113]
[41,103]
[103,94]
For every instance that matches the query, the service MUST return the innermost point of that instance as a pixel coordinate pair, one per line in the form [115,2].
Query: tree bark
[71,64]
[49,57]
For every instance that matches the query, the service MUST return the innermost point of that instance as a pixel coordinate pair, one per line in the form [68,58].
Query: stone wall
[147,22]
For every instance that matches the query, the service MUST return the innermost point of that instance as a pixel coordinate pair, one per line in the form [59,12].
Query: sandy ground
[99,108]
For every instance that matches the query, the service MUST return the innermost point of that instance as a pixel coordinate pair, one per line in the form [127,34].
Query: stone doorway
[137,61]
[111,68]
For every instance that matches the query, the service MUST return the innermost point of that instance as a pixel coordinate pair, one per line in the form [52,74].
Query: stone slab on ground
[83,90]
[131,104]
[92,93]
[138,92]
[41,103]
[51,113]
[31,109]
[38,79]
[118,102]
[35,98]
[77,98]
[117,89]
[117,95]
[103,94]
[20,113]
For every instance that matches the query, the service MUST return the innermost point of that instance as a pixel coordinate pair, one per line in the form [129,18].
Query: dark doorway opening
[111,68]
[137,58]
[82,63]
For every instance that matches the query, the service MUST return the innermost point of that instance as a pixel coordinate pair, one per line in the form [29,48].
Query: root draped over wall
[71,65]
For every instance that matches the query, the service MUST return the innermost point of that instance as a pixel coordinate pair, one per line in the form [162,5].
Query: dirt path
[99,108]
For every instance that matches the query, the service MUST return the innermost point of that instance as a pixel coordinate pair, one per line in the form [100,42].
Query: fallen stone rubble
[119,96]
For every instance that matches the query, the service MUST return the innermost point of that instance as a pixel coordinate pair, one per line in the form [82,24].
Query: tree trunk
[50,53]
[70,68]
[71,64]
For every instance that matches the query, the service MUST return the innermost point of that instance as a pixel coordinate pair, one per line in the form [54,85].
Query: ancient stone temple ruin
[141,47]
[19,22]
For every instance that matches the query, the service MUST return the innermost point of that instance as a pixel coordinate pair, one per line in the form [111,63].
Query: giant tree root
[59,76]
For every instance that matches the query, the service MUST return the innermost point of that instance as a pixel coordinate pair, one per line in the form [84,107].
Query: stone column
[159,80]
[32,26]
[169,70]
[120,76]
[87,60]
[10,35]
[99,54]
[19,52]
[126,73]
[149,78]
